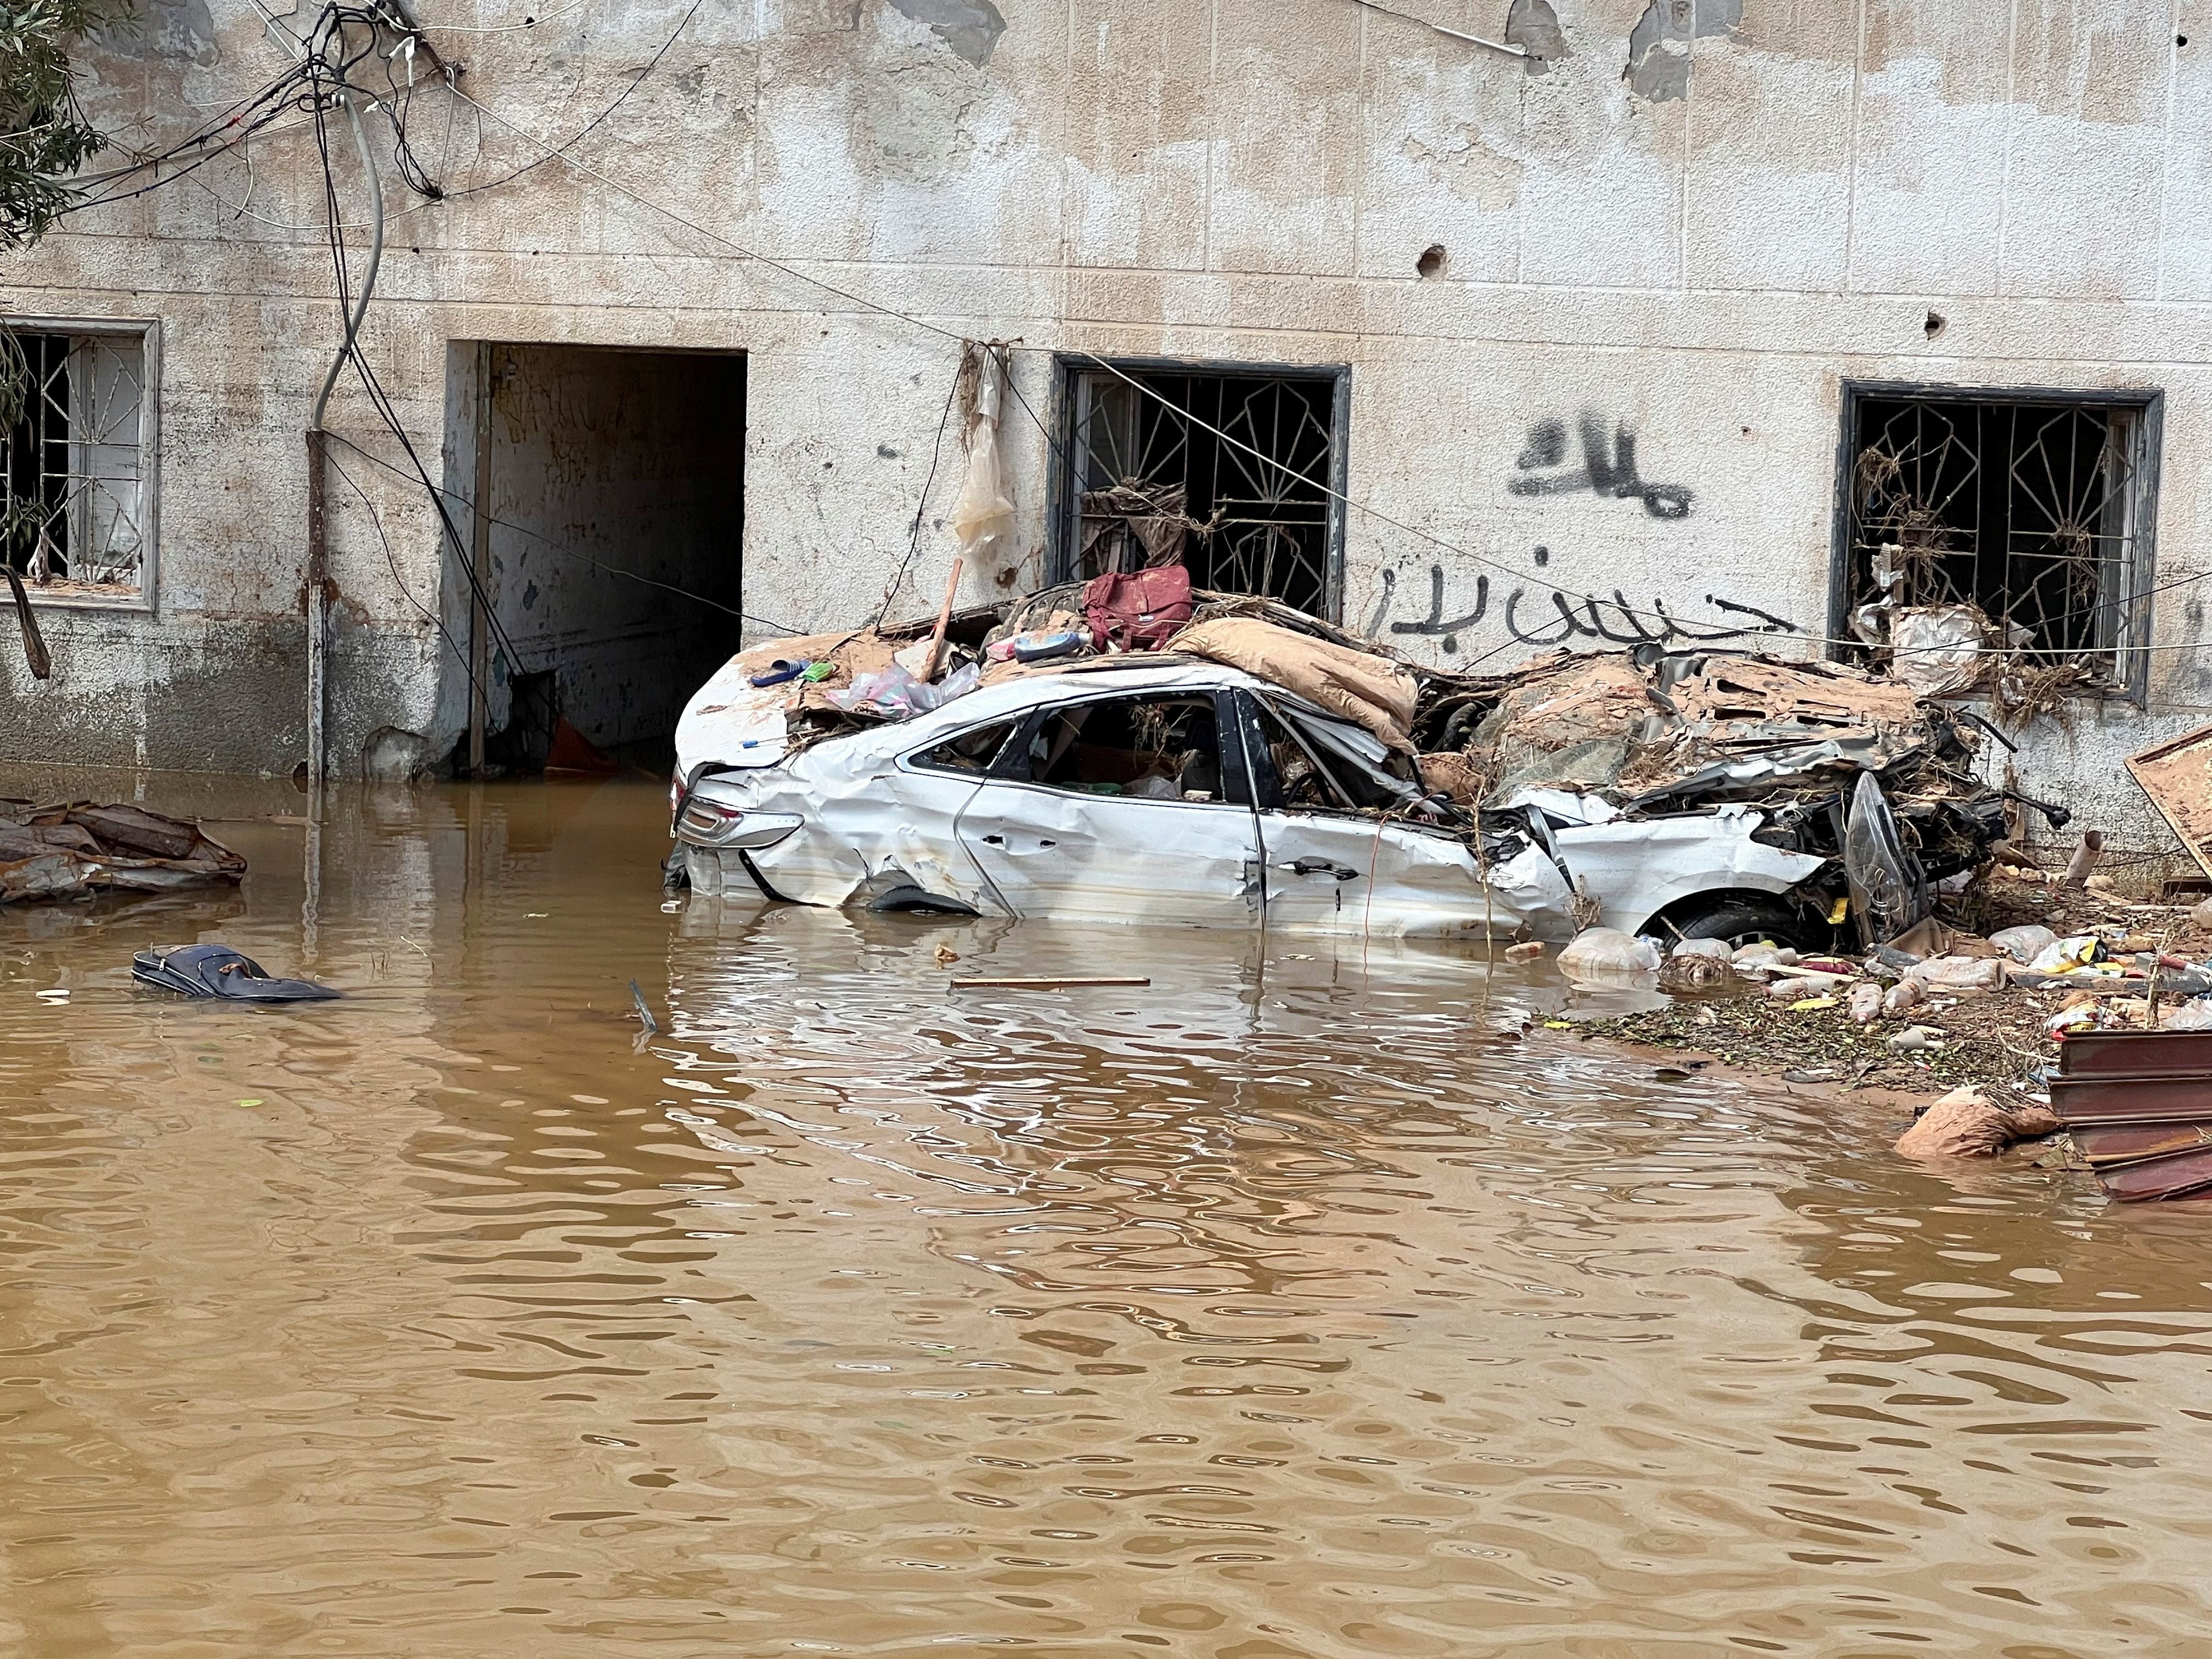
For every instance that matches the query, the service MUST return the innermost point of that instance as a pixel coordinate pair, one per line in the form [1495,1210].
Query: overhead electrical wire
[559,152]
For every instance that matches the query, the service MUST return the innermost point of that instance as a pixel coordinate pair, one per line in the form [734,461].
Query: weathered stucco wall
[1697,217]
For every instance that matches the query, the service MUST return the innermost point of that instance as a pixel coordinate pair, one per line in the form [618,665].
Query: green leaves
[44,136]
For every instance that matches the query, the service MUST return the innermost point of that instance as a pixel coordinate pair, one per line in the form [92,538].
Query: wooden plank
[2178,777]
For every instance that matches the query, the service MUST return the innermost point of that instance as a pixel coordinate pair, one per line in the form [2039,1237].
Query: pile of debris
[68,850]
[1984,1021]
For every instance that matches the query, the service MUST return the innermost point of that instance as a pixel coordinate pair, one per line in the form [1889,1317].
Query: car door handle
[1322,867]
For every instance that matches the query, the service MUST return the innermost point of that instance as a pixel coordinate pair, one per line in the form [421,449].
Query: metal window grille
[2036,511]
[72,472]
[1149,481]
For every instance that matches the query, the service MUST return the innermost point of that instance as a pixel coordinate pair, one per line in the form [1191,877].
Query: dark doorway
[611,485]
[1233,471]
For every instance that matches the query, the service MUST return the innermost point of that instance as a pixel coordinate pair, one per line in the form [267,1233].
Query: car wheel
[1741,920]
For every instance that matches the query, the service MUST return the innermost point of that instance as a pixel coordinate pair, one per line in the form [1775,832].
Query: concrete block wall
[1697,219]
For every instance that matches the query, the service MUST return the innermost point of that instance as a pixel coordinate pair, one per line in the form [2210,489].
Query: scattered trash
[1867,1003]
[946,956]
[644,1012]
[1916,1040]
[1527,952]
[216,971]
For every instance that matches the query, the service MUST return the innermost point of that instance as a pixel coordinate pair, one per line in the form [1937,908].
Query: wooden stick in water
[1057,979]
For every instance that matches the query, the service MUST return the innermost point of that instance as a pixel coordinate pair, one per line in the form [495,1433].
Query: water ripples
[1299,1305]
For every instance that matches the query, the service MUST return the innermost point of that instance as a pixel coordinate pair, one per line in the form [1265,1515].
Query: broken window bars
[2035,507]
[1142,481]
[73,495]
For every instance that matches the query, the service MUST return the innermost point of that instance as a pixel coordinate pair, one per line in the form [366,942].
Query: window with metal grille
[2033,511]
[73,485]
[1228,471]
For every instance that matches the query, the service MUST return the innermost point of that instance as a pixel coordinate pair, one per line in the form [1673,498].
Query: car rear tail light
[708,822]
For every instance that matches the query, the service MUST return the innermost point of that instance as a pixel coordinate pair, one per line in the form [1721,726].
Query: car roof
[1017,696]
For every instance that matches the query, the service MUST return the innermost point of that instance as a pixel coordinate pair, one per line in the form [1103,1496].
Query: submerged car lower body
[903,839]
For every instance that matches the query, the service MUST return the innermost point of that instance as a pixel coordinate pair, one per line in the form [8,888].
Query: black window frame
[2133,618]
[1064,498]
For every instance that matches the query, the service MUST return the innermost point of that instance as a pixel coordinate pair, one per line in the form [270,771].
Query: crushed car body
[1264,768]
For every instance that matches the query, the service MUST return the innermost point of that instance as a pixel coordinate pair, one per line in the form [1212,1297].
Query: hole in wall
[2180,40]
[1433,261]
[1935,324]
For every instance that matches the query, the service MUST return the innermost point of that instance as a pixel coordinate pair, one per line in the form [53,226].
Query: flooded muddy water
[1287,1306]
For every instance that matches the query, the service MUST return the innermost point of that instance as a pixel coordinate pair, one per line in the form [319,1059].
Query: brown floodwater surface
[1288,1306]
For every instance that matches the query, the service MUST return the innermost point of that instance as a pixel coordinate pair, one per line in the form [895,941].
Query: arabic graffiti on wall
[1548,617]
[1608,466]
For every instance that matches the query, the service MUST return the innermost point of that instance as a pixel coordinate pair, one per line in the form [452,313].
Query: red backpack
[1139,611]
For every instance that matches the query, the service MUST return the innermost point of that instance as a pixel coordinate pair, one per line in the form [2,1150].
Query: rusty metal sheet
[2176,775]
[2183,1174]
[2137,1054]
[2132,1142]
[2131,1099]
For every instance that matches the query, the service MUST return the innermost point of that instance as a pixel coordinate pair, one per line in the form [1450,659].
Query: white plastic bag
[1959,973]
[887,694]
[958,684]
[2064,955]
[2024,944]
[1608,953]
[2194,1015]
[982,514]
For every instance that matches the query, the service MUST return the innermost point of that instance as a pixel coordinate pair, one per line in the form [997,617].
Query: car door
[1120,808]
[1329,866]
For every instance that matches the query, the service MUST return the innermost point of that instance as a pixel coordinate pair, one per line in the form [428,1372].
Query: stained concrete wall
[1696,217]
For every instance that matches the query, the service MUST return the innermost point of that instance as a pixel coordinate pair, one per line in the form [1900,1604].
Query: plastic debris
[1606,952]
[2024,944]
[1866,1002]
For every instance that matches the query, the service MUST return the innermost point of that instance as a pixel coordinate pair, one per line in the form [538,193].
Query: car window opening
[971,752]
[1349,769]
[1154,749]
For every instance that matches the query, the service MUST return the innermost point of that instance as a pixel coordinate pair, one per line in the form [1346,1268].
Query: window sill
[88,596]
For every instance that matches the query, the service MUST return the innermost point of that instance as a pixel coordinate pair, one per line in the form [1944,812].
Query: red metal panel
[2137,1054]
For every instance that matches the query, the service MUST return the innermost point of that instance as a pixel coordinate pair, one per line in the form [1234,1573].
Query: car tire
[1738,919]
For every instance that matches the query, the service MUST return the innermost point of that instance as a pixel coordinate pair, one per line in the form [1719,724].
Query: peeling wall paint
[1659,45]
[1534,26]
[970,27]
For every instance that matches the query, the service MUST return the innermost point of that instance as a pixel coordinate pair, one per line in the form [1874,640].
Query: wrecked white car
[1188,793]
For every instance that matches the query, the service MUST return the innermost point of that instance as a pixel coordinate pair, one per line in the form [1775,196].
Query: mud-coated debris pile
[71,849]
